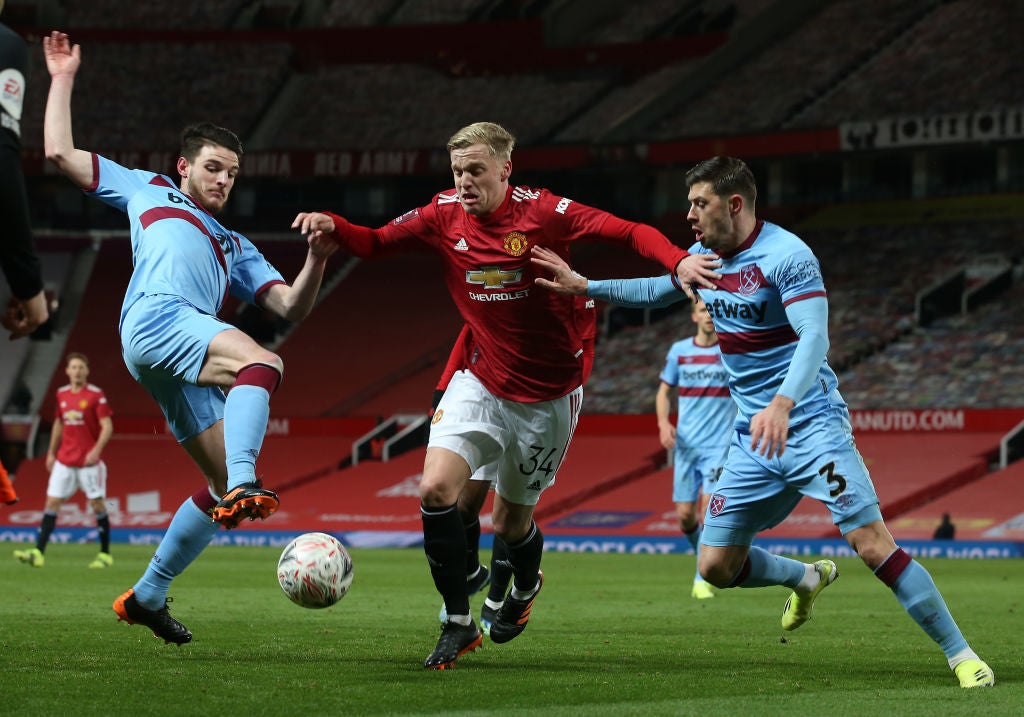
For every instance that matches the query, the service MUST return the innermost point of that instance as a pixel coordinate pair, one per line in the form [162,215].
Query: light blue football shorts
[694,472]
[164,340]
[820,461]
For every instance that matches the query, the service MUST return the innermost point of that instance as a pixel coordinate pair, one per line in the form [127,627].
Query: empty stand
[991,508]
[117,107]
[986,31]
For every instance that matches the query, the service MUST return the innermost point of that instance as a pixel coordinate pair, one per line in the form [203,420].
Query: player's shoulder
[93,388]
[534,198]
[445,207]
[64,389]
[522,193]
[111,173]
[681,347]
[446,199]
[780,236]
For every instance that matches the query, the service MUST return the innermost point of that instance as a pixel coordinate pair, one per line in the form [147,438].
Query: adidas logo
[534,486]
[461,245]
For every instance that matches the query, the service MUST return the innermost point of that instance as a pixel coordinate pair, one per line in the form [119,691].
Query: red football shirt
[523,342]
[586,325]
[80,412]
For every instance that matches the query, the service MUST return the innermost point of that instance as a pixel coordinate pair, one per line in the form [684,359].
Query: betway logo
[704,375]
[721,309]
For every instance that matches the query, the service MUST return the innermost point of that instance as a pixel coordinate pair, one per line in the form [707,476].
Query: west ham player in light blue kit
[703,429]
[186,263]
[793,435]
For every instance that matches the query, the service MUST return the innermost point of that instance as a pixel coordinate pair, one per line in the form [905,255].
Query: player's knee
[716,572]
[261,356]
[511,529]
[436,494]
[872,552]
[509,535]
[873,543]
[265,375]
[716,576]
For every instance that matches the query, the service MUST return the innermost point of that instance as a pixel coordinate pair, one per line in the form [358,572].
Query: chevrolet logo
[494,277]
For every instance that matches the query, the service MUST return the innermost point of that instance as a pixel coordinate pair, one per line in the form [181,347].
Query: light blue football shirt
[178,248]
[770,270]
[706,411]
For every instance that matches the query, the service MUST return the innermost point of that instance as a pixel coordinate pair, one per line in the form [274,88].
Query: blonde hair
[498,140]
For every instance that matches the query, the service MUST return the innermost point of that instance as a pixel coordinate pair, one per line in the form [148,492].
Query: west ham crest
[750,279]
[717,504]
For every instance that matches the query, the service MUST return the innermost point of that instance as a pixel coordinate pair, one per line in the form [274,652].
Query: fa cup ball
[315,570]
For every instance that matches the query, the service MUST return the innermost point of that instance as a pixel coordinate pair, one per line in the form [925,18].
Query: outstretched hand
[322,245]
[698,270]
[563,279]
[61,57]
[313,225]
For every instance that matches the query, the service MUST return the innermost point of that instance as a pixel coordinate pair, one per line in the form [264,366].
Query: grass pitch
[610,635]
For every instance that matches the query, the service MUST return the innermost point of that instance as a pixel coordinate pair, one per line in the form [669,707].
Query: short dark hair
[196,136]
[75,355]
[726,175]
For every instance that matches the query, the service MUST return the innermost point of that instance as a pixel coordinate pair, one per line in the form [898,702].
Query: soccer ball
[315,570]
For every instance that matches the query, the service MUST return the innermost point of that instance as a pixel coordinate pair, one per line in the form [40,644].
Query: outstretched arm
[359,240]
[62,62]
[647,292]
[296,301]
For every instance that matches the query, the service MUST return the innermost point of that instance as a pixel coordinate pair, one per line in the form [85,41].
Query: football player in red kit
[516,402]
[81,429]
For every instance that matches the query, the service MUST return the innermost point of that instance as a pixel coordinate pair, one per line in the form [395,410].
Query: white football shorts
[65,480]
[520,444]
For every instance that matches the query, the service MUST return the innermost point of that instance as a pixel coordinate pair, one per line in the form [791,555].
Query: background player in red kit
[517,402]
[81,429]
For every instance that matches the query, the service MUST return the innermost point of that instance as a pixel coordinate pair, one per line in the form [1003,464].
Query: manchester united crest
[515,243]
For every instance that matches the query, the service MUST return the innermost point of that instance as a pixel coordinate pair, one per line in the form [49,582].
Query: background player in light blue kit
[793,434]
[185,264]
[700,437]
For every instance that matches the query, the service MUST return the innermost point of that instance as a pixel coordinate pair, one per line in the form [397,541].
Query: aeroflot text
[607,546]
